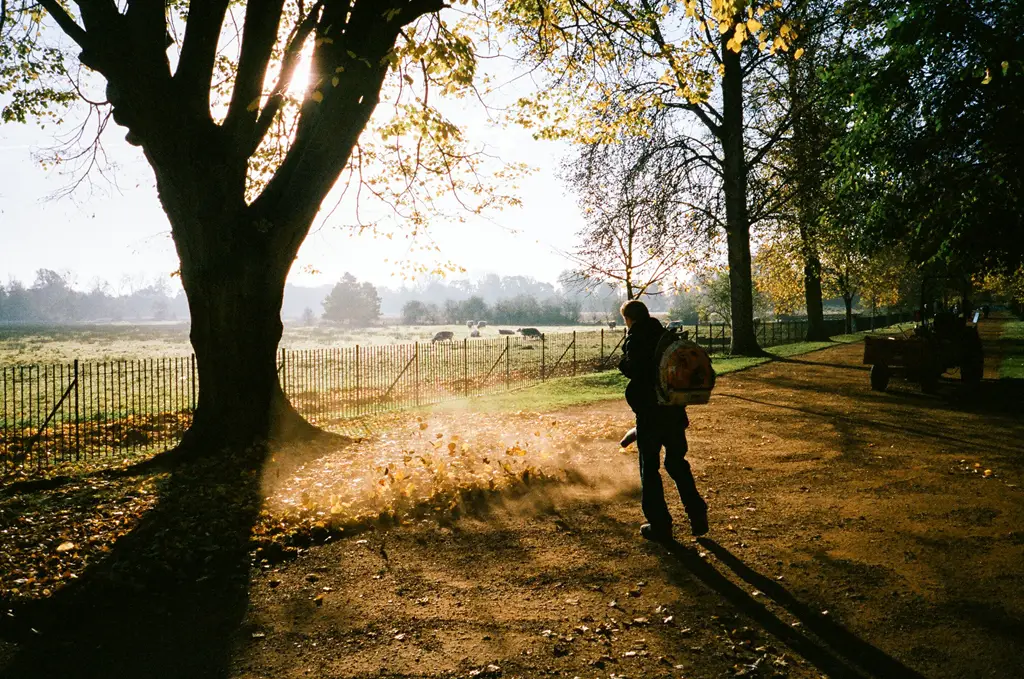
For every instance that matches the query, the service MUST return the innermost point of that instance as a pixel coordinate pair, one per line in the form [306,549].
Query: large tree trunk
[737,224]
[236,329]
[816,331]
[848,301]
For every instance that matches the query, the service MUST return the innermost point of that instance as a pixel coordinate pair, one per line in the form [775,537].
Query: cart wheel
[879,377]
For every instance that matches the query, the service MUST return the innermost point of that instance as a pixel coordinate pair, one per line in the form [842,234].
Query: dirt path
[854,534]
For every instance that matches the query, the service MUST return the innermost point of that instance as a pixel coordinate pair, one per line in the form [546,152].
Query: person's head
[634,310]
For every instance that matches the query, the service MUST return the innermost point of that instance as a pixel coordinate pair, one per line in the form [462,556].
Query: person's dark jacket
[638,364]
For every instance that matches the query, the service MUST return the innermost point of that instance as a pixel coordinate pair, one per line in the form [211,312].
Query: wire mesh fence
[52,414]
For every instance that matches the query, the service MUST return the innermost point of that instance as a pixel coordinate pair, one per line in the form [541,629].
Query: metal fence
[69,412]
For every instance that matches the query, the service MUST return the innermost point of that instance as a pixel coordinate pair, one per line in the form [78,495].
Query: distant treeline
[52,299]
[499,291]
[518,310]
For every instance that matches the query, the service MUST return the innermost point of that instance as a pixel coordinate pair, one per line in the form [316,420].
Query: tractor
[946,340]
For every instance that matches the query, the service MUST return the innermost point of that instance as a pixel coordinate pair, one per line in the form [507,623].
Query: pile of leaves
[49,537]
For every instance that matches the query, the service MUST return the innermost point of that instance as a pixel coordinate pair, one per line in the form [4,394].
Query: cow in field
[470,324]
[481,324]
[612,324]
[532,333]
[444,336]
[503,331]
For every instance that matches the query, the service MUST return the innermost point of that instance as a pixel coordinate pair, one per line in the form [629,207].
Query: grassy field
[1012,366]
[35,344]
[564,392]
[39,344]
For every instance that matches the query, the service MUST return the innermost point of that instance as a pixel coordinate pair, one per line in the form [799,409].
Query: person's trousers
[665,427]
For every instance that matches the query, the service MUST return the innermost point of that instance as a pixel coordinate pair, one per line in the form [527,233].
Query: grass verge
[565,392]
[1012,341]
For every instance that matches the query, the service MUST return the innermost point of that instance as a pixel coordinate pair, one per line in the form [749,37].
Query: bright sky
[115,233]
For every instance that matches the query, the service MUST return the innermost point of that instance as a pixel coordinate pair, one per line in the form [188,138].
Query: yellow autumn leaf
[253,105]
[799,53]
[988,77]
[335,81]
[753,25]
[317,96]
[724,27]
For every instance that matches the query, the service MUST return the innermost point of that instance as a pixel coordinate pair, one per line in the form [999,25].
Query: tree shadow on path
[839,654]
[868,423]
[167,600]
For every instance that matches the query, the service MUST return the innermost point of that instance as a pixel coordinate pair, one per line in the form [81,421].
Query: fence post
[284,370]
[602,348]
[574,353]
[193,363]
[416,369]
[543,342]
[78,427]
[465,367]
[508,352]
[359,390]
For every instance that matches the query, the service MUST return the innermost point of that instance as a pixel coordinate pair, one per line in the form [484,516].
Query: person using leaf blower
[657,426]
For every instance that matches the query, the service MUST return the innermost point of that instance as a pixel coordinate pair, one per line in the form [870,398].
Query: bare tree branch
[259,33]
[293,51]
[66,23]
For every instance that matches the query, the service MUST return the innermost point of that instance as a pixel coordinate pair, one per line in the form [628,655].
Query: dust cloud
[448,461]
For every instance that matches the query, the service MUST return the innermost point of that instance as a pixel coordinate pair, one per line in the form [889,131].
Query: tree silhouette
[243,153]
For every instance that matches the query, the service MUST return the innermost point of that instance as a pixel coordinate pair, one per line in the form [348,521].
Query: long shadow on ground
[1000,400]
[840,654]
[169,597]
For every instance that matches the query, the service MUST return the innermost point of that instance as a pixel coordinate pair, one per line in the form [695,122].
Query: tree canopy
[932,157]
[352,302]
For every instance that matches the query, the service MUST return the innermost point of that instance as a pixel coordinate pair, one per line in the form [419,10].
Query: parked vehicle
[938,343]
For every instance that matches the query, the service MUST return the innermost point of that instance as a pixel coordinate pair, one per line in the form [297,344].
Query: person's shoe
[656,534]
[630,437]
[699,522]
